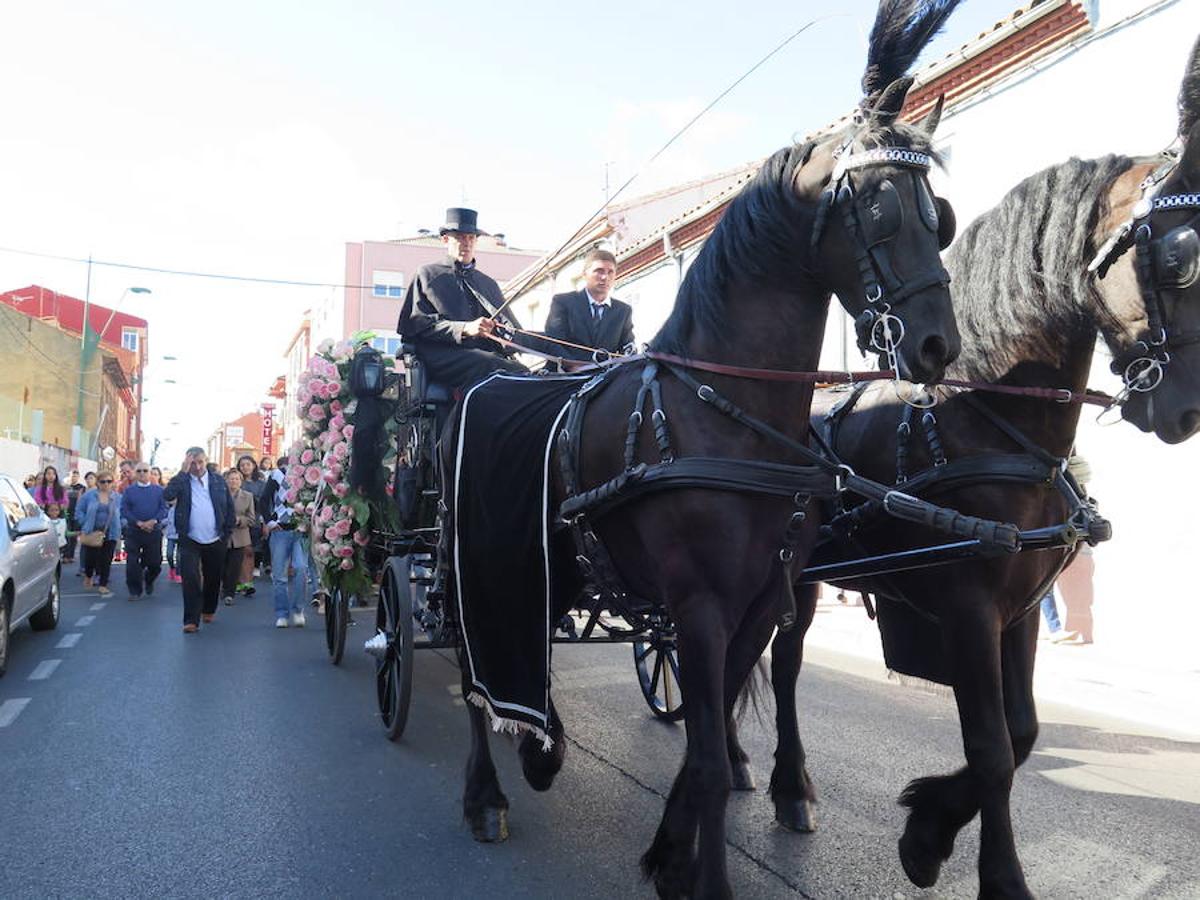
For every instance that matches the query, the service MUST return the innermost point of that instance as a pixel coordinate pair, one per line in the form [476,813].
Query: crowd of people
[212,530]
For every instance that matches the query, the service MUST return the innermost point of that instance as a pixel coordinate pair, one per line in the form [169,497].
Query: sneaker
[298,619]
[104,591]
[229,601]
[281,622]
[133,597]
[249,592]
[1062,636]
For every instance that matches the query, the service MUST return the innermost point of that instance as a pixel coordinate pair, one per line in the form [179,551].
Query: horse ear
[891,101]
[933,118]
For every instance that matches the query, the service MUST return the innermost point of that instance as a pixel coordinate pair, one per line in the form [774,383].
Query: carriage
[412,613]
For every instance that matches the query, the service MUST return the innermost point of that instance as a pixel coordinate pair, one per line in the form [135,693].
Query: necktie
[597,311]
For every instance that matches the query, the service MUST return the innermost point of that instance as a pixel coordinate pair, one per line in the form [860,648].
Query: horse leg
[742,779]
[791,789]
[941,806]
[743,679]
[484,805]
[540,766]
[701,790]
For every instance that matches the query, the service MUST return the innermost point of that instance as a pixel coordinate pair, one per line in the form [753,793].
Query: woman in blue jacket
[100,510]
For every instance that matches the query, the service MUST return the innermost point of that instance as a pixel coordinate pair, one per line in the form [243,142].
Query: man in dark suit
[448,310]
[591,317]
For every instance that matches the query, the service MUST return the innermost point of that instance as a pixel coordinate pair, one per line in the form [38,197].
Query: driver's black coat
[442,298]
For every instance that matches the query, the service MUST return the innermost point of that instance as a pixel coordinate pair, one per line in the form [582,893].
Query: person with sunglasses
[144,511]
[99,512]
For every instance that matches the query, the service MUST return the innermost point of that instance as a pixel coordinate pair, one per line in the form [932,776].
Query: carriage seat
[422,388]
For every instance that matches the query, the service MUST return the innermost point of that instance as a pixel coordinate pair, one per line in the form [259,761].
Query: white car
[29,565]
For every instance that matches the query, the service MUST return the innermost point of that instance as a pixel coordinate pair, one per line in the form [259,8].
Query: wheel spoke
[658,662]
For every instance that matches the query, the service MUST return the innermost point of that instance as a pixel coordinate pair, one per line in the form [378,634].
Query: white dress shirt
[202,523]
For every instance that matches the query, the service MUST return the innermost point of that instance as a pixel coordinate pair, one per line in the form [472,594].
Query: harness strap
[818,377]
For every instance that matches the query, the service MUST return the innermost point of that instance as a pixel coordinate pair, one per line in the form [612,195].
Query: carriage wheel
[658,674]
[337,620]
[393,670]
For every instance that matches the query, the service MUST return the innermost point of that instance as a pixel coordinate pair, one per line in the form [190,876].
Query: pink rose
[341,451]
[346,565]
[316,412]
[298,508]
[326,513]
[362,538]
[346,511]
[329,477]
[312,475]
[306,457]
[344,552]
[324,549]
[336,406]
[341,490]
[330,533]
[343,527]
[336,469]
[348,432]
[337,423]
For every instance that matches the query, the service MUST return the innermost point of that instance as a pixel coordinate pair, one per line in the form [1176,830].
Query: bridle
[871,227]
[1170,263]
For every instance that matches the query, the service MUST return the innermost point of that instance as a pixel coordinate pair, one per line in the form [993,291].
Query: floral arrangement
[337,519]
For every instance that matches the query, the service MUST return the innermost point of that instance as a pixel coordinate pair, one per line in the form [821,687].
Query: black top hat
[464,221]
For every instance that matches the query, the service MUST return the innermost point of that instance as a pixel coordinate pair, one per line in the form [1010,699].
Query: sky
[256,138]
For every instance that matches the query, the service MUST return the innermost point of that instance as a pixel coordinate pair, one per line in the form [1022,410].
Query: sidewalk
[1085,678]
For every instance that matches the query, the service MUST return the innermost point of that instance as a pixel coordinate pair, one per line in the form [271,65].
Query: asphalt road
[239,763]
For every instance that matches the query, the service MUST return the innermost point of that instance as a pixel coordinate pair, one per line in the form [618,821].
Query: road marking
[10,709]
[68,641]
[85,620]
[95,607]
[44,669]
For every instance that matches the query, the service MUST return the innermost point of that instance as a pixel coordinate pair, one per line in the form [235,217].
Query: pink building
[378,272]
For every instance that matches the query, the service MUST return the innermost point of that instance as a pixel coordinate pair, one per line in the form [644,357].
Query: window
[14,508]
[129,339]
[387,284]
[388,345]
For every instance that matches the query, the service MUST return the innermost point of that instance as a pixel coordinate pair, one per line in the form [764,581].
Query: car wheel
[46,618]
[4,614]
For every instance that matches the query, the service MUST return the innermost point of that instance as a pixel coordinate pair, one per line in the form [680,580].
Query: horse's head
[878,234]
[1156,343]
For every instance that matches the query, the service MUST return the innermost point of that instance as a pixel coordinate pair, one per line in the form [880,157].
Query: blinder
[1177,259]
[881,216]
[947,225]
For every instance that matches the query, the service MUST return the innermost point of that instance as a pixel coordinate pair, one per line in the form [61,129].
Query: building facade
[44,395]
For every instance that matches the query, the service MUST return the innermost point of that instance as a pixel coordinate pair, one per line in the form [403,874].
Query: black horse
[850,214]
[1029,307]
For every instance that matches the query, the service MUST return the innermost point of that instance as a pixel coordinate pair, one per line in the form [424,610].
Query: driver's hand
[478,328]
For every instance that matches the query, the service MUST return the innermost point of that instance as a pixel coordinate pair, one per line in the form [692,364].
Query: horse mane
[1189,93]
[757,240]
[1020,281]
[901,31]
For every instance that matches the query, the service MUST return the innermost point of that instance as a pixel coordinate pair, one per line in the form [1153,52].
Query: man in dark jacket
[448,310]
[204,519]
[144,513]
[591,317]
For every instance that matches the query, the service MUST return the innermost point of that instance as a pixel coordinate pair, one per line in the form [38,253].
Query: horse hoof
[489,825]
[921,870]
[796,815]
[743,779]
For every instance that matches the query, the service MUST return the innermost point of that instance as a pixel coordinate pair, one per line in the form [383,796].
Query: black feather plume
[1189,93]
[903,28]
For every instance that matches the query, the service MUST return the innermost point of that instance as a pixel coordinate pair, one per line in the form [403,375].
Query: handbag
[92,539]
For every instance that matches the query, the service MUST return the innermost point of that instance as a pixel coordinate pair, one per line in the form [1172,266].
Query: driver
[448,308]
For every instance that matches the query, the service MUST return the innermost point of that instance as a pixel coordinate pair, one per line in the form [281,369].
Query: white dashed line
[85,620]
[96,607]
[44,669]
[10,709]
[68,641]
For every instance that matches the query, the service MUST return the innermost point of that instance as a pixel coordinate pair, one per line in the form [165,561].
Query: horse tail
[754,689]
